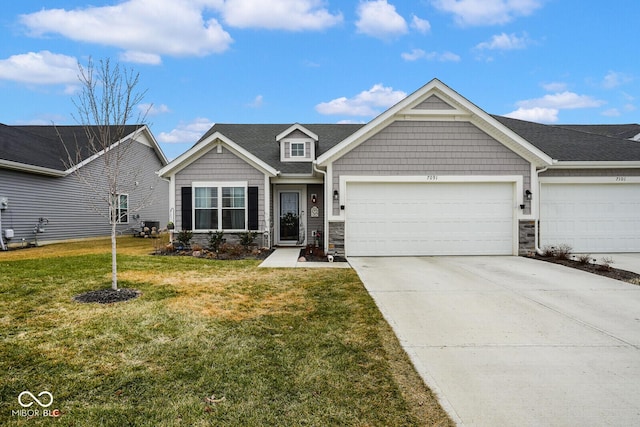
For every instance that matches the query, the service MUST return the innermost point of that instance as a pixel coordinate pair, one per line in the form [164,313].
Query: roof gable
[421,105]
[296,128]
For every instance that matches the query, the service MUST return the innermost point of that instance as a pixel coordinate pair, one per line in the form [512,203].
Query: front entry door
[289,216]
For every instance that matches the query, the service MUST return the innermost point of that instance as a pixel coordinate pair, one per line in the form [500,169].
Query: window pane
[206,197]
[297,149]
[233,219]
[233,197]
[206,219]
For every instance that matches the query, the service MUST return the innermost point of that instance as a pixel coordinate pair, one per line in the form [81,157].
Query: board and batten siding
[408,148]
[220,167]
[73,209]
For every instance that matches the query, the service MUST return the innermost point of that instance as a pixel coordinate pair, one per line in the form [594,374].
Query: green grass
[282,346]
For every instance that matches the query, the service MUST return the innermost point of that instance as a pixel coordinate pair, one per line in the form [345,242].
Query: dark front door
[289,216]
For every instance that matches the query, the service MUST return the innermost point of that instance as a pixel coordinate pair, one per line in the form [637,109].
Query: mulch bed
[107,296]
[602,270]
[317,255]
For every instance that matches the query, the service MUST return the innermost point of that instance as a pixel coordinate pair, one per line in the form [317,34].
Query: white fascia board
[23,167]
[590,180]
[148,140]
[294,127]
[595,164]
[154,144]
[200,149]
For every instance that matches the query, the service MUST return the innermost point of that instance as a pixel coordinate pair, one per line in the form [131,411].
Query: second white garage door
[391,219]
[591,217]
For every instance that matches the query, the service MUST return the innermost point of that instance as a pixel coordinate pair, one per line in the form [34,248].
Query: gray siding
[76,211]
[433,103]
[429,148]
[225,166]
[316,224]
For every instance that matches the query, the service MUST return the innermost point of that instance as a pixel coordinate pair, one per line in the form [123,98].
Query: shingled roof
[260,140]
[576,142]
[42,147]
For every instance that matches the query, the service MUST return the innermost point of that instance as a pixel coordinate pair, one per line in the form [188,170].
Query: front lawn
[207,343]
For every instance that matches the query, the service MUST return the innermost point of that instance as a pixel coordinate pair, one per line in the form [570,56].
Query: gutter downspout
[325,238]
[537,220]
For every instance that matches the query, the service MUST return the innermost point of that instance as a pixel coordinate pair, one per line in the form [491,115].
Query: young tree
[106,104]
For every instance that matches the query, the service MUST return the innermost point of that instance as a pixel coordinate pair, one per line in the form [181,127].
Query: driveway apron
[510,341]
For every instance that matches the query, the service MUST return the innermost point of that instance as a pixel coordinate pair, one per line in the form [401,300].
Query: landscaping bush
[247,238]
[215,240]
[184,237]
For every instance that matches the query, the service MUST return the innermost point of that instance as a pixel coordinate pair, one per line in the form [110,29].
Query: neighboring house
[433,175]
[42,177]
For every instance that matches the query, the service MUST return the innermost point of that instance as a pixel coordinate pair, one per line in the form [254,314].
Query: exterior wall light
[335,195]
[528,195]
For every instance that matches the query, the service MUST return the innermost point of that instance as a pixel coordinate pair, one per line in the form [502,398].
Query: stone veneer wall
[526,237]
[336,238]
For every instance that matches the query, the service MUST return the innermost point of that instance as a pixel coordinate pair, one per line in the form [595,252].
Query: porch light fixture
[314,198]
[335,195]
[527,194]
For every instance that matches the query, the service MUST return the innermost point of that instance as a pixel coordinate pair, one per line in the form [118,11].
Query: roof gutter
[23,167]
[325,238]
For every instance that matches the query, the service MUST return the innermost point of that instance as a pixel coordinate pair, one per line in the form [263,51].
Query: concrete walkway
[288,258]
[510,341]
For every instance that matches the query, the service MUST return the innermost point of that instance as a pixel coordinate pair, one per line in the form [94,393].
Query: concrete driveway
[510,341]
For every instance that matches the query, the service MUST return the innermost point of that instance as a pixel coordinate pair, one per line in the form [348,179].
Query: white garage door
[429,219]
[591,217]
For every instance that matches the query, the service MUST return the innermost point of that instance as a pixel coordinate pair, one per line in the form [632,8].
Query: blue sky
[323,61]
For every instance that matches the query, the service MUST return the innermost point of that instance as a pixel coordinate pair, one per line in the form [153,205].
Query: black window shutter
[252,196]
[185,193]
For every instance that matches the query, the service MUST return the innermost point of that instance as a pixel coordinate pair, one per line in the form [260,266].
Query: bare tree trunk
[114,261]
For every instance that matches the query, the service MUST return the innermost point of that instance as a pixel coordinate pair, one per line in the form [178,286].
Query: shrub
[563,252]
[584,259]
[605,264]
[184,237]
[232,250]
[215,240]
[548,251]
[247,238]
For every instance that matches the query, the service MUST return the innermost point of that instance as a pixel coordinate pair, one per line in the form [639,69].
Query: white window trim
[219,185]
[308,143]
[118,195]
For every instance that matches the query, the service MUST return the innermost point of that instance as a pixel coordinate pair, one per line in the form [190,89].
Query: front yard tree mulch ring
[107,296]
[602,270]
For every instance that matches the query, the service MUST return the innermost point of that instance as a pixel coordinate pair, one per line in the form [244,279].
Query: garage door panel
[591,217]
[429,219]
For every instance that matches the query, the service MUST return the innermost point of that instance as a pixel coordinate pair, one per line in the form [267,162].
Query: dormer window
[297,149]
[297,144]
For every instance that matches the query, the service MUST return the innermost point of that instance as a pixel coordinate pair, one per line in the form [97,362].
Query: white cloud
[186,132]
[41,67]
[366,103]
[144,29]
[563,100]
[611,112]
[141,57]
[421,25]
[554,86]
[379,19]
[417,54]
[486,12]
[292,15]
[257,102]
[614,79]
[546,109]
[504,41]
[153,110]
[535,114]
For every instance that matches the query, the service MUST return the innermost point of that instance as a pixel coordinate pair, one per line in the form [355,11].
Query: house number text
[621,178]
[432,177]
